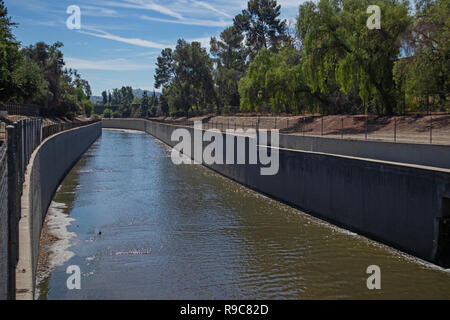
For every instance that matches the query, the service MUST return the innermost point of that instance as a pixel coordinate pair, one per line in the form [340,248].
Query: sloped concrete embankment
[48,166]
[406,206]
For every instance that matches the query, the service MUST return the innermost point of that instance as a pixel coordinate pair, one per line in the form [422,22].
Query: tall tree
[275,82]
[105,97]
[261,25]
[340,47]
[145,104]
[10,57]
[229,56]
[423,72]
[164,69]
[186,78]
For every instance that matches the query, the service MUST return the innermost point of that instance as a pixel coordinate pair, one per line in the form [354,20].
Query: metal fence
[430,129]
[4,225]
[22,139]
[18,109]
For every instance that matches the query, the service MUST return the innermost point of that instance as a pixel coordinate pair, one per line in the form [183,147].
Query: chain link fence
[429,129]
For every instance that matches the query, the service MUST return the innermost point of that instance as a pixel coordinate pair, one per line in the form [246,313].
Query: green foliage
[107,113]
[145,104]
[117,114]
[261,25]
[36,75]
[163,104]
[189,88]
[230,57]
[10,57]
[164,68]
[105,97]
[30,85]
[275,82]
[340,48]
[335,65]
[88,107]
[423,75]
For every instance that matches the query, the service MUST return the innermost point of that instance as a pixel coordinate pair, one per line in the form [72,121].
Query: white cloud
[134,41]
[192,22]
[98,11]
[210,7]
[145,5]
[110,65]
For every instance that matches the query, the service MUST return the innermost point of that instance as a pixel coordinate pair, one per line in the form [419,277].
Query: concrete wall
[420,154]
[404,206]
[48,166]
[411,153]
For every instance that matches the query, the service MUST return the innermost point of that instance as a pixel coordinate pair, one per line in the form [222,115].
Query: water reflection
[184,232]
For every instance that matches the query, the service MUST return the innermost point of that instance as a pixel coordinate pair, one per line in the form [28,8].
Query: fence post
[321,127]
[12,192]
[366,124]
[395,129]
[303,126]
[431,129]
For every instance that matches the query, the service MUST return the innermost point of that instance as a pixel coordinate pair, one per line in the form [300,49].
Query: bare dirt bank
[411,128]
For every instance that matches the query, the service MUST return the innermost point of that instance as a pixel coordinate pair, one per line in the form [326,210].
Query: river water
[141,227]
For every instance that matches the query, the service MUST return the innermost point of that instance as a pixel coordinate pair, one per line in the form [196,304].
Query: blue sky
[119,40]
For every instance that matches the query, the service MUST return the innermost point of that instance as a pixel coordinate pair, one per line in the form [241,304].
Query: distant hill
[136,92]
[96,99]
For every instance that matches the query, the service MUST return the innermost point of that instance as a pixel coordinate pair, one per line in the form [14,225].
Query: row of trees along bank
[329,62]
[122,103]
[37,75]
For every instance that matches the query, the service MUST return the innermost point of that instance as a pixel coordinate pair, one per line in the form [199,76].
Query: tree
[10,57]
[107,113]
[423,73]
[30,84]
[88,107]
[275,82]
[105,97]
[261,25]
[188,87]
[145,104]
[164,68]
[339,47]
[36,75]
[127,95]
[230,59]
[163,104]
